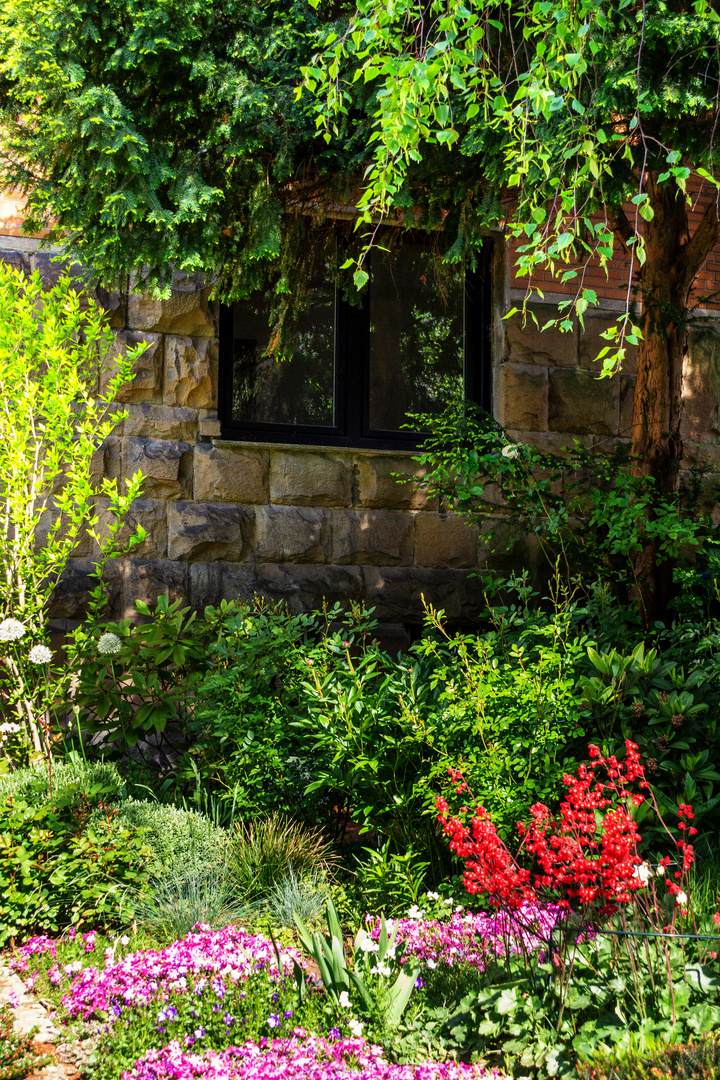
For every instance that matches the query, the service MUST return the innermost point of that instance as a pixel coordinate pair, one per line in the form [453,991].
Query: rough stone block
[186,312]
[591,343]
[310,479]
[400,594]
[580,402]
[444,540]
[372,537]
[71,596]
[147,579]
[300,587]
[209,531]
[530,344]
[523,397]
[701,389]
[166,466]
[50,267]
[17,259]
[291,534]
[145,383]
[378,485]
[191,366]
[114,303]
[229,474]
[152,515]
[145,421]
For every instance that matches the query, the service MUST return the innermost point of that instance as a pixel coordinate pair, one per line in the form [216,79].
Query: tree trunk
[673,260]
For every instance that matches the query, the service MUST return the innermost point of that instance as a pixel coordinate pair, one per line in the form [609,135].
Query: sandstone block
[400,594]
[701,389]
[71,596]
[186,312]
[191,366]
[50,267]
[530,344]
[106,460]
[580,402]
[160,422]
[145,383]
[379,486]
[229,474]
[147,579]
[523,397]
[209,531]
[300,587]
[17,259]
[291,534]
[591,343]
[310,479]
[151,514]
[166,466]
[444,540]
[372,537]
[113,302]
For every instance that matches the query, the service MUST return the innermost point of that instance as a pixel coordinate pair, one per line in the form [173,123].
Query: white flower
[11,630]
[431,964]
[660,870]
[9,728]
[643,873]
[109,645]
[415,912]
[433,895]
[449,900]
[383,969]
[40,654]
[366,943]
[355,1027]
[510,451]
[681,898]
[344,999]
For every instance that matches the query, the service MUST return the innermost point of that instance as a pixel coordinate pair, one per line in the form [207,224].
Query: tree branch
[703,240]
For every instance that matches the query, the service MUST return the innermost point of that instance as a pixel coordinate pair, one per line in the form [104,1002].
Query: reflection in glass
[416,337]
[297,390]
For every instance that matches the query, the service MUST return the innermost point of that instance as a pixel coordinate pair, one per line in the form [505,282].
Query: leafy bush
[693,1061]
[389,882]
[93,781]
[175,837]
[304,896]
[265,852]
[58,407]
[18,1056]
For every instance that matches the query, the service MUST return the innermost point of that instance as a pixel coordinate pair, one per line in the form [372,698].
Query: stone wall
[304,525]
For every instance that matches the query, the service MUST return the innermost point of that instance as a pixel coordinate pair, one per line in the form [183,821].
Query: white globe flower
[109,645]
[661,870]
[681,898]
[510,451]
[40,654]
[643,873]
[11,630]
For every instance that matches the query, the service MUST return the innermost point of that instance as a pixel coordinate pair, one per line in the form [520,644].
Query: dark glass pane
[416,338]
[297,390]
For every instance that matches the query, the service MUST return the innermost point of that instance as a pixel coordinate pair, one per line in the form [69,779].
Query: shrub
[693,1061]
[304,896]
[263,854]
[176,837]
[18,1056]
[95,781]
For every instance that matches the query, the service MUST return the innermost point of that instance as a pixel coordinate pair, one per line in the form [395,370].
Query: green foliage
[591,512]
[303,895]
[141,689]
[53,356]
[390,882]
[18,1056]
[91,781]
[367,983]
[264,852]
[696,1060]
[194,891]
[175,837]
[58,868]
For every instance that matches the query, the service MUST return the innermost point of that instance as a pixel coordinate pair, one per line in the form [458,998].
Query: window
[357,373]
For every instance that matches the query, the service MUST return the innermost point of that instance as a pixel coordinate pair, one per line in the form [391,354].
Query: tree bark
[673,260]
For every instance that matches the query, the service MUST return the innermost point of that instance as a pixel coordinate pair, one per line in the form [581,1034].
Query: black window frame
[352,374]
